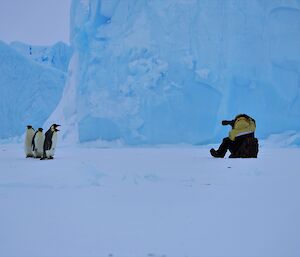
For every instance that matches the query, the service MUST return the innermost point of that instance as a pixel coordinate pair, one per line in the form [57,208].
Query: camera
[227,122]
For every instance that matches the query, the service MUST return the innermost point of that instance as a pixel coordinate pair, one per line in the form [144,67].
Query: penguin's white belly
[39,145]
[50,153]
[28,149]
[28,143]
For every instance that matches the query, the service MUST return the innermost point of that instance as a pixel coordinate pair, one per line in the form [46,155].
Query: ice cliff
[29,91]
[155,72]
[56,56]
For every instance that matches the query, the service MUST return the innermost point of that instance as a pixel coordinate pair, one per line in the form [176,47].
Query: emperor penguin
[50,142]
[28,141]
[38,143]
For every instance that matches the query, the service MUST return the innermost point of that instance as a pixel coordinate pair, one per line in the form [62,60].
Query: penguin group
[40,145]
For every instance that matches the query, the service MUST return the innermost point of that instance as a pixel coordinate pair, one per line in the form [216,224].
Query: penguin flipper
[47,144]
[32,142]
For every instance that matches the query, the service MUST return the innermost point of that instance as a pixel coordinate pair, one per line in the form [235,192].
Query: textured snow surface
[176,202]
[155,72]
[29,91]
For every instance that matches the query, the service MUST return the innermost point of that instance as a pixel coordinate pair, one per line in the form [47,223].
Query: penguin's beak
[56,128]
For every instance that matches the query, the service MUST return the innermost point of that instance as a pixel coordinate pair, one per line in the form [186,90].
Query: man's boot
[220,153]
[215,153]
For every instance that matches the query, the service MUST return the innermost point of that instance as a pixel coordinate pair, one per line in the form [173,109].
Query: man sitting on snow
[241,141]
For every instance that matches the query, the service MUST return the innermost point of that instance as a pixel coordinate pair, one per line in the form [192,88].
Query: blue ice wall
[29,92]
[57,56]
[169,71]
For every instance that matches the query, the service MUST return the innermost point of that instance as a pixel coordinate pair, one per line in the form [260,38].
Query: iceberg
[29,91]
[57,56]
[167,72]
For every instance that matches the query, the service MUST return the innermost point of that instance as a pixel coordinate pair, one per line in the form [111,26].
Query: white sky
[38,22]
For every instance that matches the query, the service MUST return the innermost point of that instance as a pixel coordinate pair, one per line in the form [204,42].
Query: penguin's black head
[55,126]
[40,129]
[29,127]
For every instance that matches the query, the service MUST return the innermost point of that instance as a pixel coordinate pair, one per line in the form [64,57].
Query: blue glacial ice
[29,91]
[156,72]
[57,56]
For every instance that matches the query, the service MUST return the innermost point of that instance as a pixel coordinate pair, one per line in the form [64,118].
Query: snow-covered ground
[149,202]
